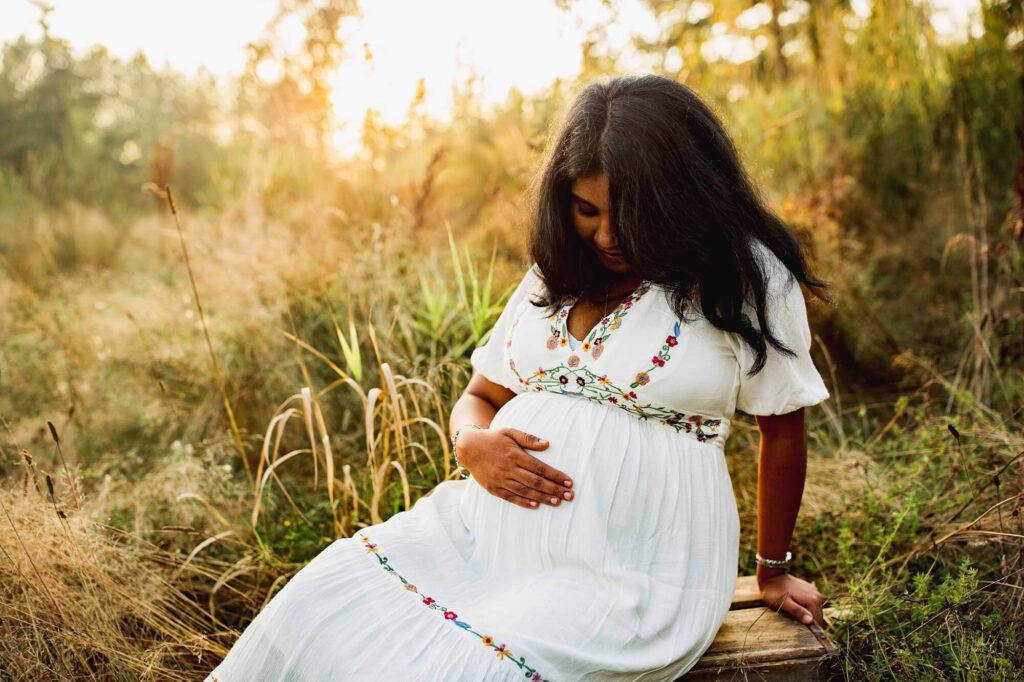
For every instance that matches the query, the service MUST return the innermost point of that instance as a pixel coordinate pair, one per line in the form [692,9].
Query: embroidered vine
[594,342]
[501,650]
[573,377]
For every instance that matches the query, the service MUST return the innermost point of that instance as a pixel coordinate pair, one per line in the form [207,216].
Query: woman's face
[593,223]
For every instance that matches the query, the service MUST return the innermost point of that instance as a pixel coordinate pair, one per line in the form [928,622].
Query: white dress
[628,581]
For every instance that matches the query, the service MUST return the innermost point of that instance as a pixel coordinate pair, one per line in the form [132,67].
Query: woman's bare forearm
[471,409]
[781,471]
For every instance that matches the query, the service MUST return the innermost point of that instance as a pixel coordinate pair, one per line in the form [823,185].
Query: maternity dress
[630,580]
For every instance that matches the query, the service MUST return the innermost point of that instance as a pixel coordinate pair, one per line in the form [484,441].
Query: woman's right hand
[498,462]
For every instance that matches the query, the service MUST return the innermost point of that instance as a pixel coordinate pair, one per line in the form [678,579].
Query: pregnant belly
[639,489]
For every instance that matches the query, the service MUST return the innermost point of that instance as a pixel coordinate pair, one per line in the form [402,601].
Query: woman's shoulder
[776,272]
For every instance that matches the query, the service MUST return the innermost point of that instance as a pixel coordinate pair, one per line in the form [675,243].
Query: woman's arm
[497,458]
[478,403]
[781,471]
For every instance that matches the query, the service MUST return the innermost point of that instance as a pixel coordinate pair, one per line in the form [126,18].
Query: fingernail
[532,503]
[807,619]
[568,484]
[554,500]
[567,495]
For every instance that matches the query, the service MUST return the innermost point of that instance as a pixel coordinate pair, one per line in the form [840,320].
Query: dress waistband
[700,427]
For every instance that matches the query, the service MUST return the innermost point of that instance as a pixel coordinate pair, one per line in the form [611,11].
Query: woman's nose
[604,238]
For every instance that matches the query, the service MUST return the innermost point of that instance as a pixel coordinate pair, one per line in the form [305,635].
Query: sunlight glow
[525,45]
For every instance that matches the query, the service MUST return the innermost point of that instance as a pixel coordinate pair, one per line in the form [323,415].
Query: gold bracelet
[461,470]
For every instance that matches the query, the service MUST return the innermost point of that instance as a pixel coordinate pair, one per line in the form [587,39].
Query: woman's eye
[586,212]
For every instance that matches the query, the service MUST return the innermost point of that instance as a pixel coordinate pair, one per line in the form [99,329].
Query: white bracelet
[774,563]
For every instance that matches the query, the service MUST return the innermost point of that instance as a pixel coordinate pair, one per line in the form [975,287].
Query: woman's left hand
[797,597]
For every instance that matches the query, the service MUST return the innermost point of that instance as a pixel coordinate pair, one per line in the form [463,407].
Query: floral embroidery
[560,331]
[501,651]
[599,388]
[571,376]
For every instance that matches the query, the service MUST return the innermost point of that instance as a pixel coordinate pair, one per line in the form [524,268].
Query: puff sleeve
[784,383]
[490,359]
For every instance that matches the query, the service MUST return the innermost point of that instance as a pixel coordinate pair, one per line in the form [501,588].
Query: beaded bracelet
[459,469]
[774,563]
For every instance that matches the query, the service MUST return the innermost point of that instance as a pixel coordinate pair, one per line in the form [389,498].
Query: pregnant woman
[596,535]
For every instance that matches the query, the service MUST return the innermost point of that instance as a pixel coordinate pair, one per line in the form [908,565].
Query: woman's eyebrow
[577,197]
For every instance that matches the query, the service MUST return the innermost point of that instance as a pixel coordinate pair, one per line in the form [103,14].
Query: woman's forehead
[593,189]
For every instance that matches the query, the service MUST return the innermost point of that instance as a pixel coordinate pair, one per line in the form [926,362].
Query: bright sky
[526,44]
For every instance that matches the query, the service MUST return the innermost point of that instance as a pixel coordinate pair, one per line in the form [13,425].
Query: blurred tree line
[825,92]
[93,128]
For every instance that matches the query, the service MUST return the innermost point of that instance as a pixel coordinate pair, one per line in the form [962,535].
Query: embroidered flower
[603,379]
[563,341]
[586,346]
[449,615]
[696,419]
[580,381]
[552,342]
[671,340]
[596,353]
[562,378]
[642,378]
[658,360]
[612,399]
[535,677]
[573,361]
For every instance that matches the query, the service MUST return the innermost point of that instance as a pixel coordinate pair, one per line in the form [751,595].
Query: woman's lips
[610,255]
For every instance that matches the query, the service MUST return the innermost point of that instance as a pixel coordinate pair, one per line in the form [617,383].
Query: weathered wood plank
[759,642]
[802,670]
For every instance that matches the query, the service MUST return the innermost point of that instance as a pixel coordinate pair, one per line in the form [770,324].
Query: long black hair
[683,208]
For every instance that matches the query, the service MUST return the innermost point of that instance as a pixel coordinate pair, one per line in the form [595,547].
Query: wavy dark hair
[683,208]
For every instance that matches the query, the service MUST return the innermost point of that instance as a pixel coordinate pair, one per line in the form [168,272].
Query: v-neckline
[603,322]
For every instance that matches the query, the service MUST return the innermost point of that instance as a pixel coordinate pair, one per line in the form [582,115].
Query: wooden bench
[756,642]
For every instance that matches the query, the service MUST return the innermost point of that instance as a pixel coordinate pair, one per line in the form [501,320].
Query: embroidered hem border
[501,650]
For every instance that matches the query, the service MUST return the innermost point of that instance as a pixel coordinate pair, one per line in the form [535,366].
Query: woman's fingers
[516,498]
[814,605]
[800,612]
[553,493]
[795,609]
[534,465]
[528,491]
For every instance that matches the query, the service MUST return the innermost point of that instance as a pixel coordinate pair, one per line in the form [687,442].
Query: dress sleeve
[784,383]
[489,359]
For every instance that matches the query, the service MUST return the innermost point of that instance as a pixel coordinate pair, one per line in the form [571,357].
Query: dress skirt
[630,580]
